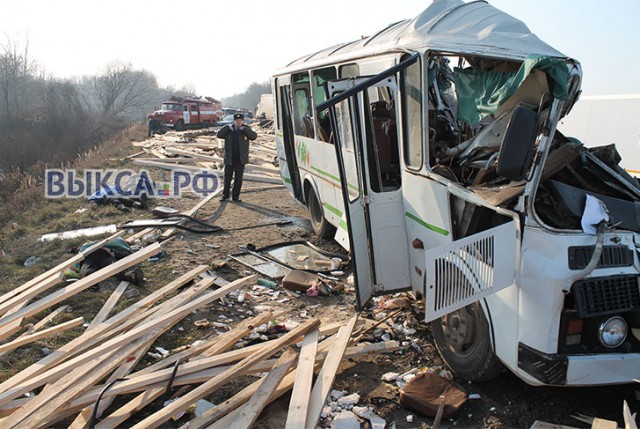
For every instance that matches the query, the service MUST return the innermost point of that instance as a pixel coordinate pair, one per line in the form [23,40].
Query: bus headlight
[612,332]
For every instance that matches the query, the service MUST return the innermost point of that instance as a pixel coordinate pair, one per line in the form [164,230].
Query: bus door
[367,154]
[286,150]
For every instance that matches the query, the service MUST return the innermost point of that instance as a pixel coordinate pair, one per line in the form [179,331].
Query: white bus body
[481,214]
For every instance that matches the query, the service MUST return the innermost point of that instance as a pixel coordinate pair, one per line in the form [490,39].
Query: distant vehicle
[226,120]
[265,106]
[189,112]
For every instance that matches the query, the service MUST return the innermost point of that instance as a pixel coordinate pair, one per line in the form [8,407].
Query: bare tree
[15,72]
[120,89]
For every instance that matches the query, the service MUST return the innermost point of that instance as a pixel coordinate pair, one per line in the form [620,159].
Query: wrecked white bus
[430,150]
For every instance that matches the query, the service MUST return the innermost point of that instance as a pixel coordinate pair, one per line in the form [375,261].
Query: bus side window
[302,113]
[320,79]
[411,83]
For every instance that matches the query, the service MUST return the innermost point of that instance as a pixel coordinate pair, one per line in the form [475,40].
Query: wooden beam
[84,283]
[88,338]
[84,418]
[37,289]
[244,395]
[297,415]
[182,403]
[108,348]
[108,306]
[39,335]
[246,416]
[94,365]
[327,374]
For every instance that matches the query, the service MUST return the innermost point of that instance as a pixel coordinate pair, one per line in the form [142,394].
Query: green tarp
[481,93]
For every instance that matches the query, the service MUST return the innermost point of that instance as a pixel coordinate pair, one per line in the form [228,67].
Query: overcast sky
[220,47]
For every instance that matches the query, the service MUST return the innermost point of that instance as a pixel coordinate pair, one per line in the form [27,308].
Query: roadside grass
[32,215]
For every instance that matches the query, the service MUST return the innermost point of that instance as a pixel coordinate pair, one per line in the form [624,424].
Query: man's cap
[238,116]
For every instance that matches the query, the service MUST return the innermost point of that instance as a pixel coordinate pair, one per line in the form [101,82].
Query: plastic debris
[31,260]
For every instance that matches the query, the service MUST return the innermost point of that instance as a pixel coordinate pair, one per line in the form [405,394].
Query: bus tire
[179,125]
[319,223]
[462,338]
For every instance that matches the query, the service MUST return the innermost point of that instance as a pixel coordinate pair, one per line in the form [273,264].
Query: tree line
[51,120]
[248,99]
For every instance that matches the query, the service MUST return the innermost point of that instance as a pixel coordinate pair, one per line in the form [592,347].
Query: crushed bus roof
[447,25]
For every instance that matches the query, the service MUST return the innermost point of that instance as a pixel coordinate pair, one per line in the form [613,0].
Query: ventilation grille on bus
[464,272]
[606,295]
[612,256]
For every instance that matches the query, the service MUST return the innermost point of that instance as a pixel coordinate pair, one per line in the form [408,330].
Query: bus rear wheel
[462,338]
[319,223]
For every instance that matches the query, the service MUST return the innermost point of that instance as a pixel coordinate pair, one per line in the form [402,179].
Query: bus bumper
[578,370]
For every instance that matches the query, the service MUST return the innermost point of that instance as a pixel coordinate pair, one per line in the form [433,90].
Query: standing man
[236,154]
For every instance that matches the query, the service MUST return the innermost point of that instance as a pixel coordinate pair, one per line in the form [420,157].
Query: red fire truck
[188,112]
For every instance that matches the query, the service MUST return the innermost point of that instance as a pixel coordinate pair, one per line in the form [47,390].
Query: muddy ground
[505,402]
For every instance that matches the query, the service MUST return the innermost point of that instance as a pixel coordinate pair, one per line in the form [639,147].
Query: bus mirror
[516,150]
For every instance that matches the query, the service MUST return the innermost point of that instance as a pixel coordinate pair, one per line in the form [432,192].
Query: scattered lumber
[26,339]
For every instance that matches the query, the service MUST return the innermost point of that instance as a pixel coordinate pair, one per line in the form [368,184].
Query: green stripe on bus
[286,180]
[331,176]
[425,224]
[342,224]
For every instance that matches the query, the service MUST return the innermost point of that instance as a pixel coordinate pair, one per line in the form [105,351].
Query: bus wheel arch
[319,223]
[463,339]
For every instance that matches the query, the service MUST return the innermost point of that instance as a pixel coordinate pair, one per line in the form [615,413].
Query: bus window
[411,84]
[320,79]
[302,113]
[349,70]
[382,139]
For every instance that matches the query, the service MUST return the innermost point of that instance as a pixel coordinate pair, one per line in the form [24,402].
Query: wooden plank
[84,283]
[134,385]
[297,415]
[94,365]
[226,340]
[182,403]
[108,306]
[125,412]
[599,423]
[144,379]
[327,374]
[42,334]
[37,289]
[248,414]
[84,418]
[244,395]
[86,339]
[59,268]
[104,350]
[38,325]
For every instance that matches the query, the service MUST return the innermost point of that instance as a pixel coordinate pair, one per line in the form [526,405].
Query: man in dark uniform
[236,154]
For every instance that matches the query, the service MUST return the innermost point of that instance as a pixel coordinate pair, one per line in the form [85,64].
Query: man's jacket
[236,137]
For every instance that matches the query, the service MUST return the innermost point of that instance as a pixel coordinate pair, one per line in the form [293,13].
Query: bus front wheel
[462,338]
[319,223]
